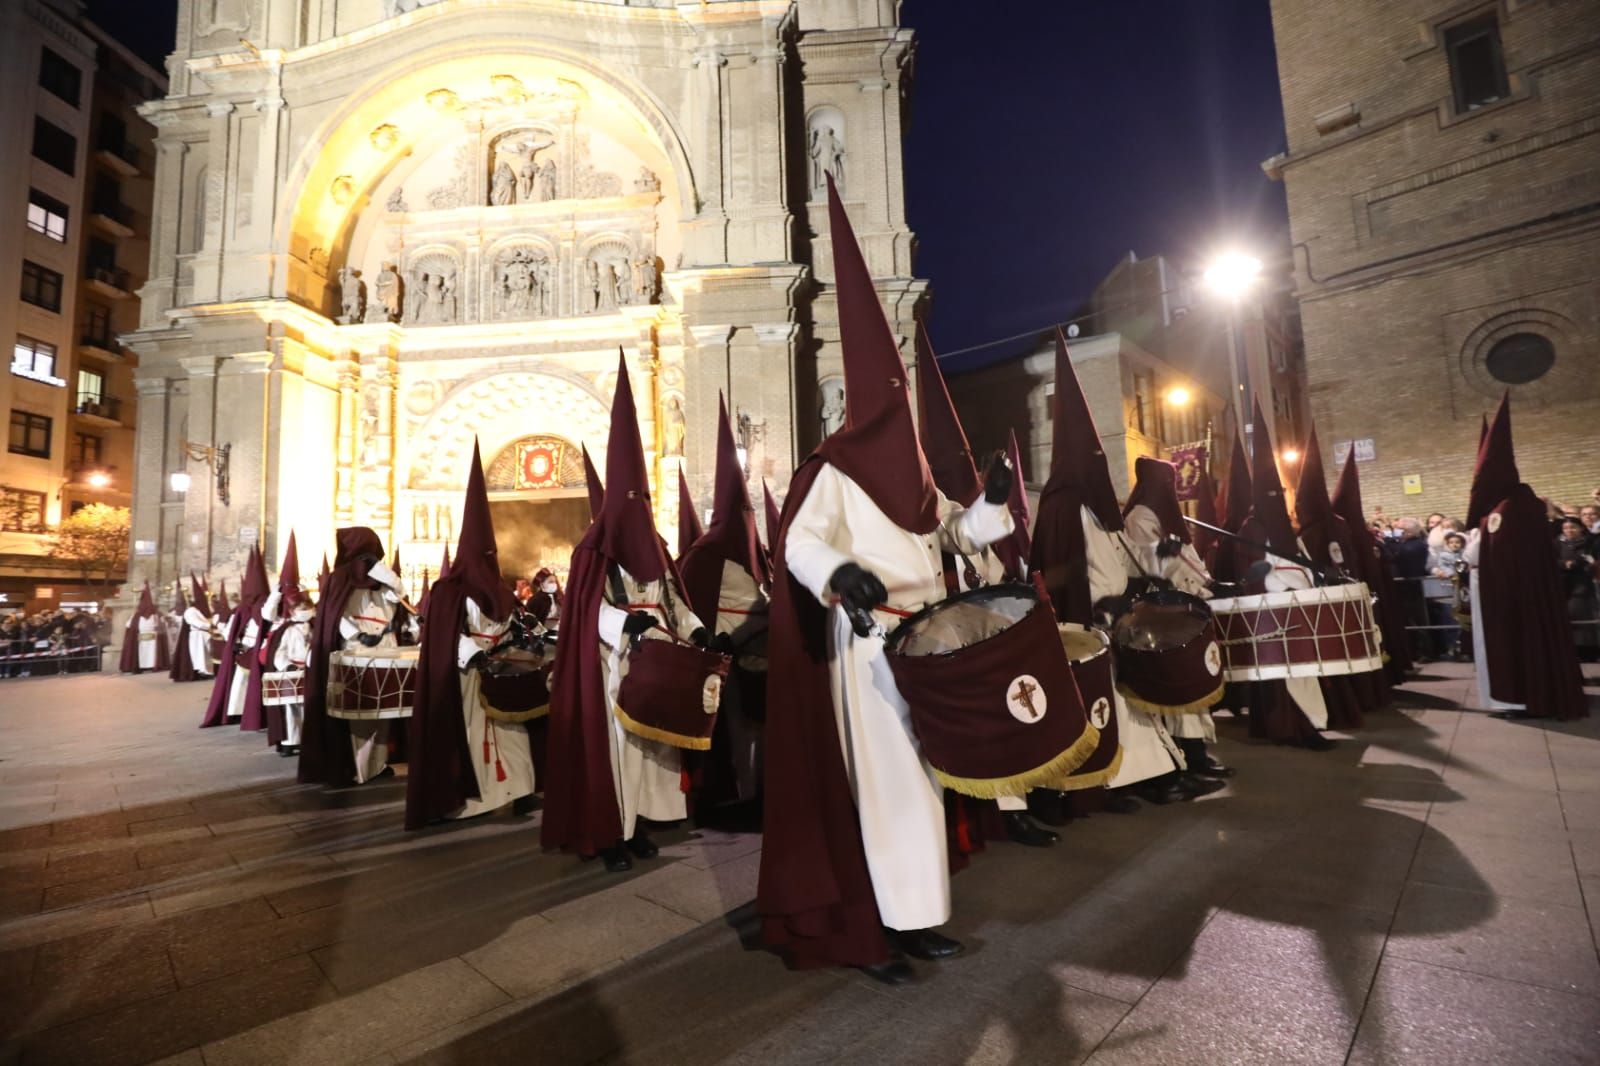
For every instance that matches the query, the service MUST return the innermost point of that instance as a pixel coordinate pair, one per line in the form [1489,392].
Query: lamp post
[1231,276]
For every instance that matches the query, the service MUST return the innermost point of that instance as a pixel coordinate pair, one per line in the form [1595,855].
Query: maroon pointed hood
[1266,492]
[289,575]
[625,532]
[1205,509]
[147,603]
[1077,458]
[477,562]
[1155,486]
[591,479]
[1495,476]
[773,513]
[689,527]
[1018,501]
[1346,498]
[1483,430]
[1311,502]
[180,602]
[1236,504]
[223,607]
[877,448]
[444,567]
[198,596]
[730,538]
[256,586]
[944,442]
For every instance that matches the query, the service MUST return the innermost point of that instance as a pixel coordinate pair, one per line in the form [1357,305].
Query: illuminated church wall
[387,227]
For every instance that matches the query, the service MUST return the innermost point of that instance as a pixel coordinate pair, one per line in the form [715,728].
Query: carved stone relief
[391,296]
[523,285]
[352,296]
[396,8]
[825,147]
[831,409]
[433,289]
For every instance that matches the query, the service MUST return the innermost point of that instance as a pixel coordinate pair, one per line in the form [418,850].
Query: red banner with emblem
[1190,459]
[539,465]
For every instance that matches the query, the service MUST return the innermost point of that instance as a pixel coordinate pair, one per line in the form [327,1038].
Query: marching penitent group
[913,664]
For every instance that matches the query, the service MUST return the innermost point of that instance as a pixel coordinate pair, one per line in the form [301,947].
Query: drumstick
[1294,557]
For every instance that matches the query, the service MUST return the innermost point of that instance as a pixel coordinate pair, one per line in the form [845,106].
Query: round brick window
[1520,358]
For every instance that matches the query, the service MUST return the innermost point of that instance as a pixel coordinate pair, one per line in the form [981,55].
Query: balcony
[102,344]
[99,410]
[110,216]
[121,157]
[111,282]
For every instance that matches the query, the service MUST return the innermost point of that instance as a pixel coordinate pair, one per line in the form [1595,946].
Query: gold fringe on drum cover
[648,732]
[1098,779]
[1050,775]
[512,717]
[1204,703]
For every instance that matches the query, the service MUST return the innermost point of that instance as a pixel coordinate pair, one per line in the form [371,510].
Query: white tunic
[199,640]
[647,774]
[1305,691]
[898,799]
[370,612]
[1188,574]
[294,648]
[246,645]
[150,627]
[1480,652]
[489,740]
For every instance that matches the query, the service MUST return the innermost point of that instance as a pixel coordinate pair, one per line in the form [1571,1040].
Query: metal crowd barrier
[85,659]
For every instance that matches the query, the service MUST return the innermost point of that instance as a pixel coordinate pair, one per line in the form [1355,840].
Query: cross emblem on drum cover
[1023,697]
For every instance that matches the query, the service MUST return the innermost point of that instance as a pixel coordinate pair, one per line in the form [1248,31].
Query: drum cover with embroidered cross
[1168,657]
[993,701]
[1089,653]
[670,693]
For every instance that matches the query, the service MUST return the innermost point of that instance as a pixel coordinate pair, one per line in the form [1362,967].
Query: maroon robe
[182,663]
[130,636]
[326,756]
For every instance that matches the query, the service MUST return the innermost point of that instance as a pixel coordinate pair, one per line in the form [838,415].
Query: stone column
[208,260]
[348,371]
[375,477]
[200,503]
[150,479]
[167,211]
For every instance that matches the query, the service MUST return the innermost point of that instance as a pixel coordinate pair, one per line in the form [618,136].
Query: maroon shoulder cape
[1527,635]
[129,663]
[325,754]
[182,665]
[815,894]
[217,706]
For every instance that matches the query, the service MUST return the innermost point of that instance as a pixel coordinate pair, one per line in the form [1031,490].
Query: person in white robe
[366,621]
[294,649]
[502,758]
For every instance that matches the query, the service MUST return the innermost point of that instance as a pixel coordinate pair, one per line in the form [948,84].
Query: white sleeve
[466,648]
[808,549]
[610,624]
[348,628]
[970,530]
[1469,554]
[269,609]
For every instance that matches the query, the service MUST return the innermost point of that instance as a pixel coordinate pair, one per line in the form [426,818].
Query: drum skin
[372,683]
[1169,660]
[670,693]
[999,716]
[283,688]
[517,694]
[1315,632]
[1089,652]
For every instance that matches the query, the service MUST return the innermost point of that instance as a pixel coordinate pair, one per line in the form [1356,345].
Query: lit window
[91,387]
[47,215]
[21,511]
[1477,66]
[35,359]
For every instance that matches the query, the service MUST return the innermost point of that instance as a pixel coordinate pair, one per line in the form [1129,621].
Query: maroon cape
[325,753]
[217,706]
[439,776]
[815,894]
[182,664]
[1527,635]
[130,636]
[1372,566]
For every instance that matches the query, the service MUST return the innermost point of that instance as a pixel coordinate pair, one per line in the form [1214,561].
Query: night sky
[1049,139]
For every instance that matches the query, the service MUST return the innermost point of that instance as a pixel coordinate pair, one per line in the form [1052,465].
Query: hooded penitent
[130,635]
[815,895]
[1155,485]
[290,596]
[230,630]
[770,509]
[944,441]
[689,527]
[252,597]
[581,812]
[731,537]
[440,776]
[1269,515]
[182,663]
[1079,478]
[1205,510]
[1372,566]
[1330,543]
[325,753]
[1527,634]
[597,489]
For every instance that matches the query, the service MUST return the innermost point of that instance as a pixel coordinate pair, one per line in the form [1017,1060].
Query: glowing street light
[99,479]
[1178,396]
[1290,456]
[1232,274]
[180,481]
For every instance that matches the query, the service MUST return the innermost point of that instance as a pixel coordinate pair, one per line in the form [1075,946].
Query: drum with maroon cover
[1169,660]
[993,700]
[515,687]
[671,691]
[1315,632]
[372,683]
[283,688]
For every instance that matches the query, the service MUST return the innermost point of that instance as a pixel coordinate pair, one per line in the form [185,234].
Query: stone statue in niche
[417,289]
[827,156]
[503,192]
[832,407]
[391,293]
[444,522]
[395,8]
[646,279]
[592,276]
[624,282]
[544,277]
[352,296]
[527,181]
[547,181]
[673,427]
[397,200]
[606,291]
[522,285]
[419,522]
[646,181]
[447,299]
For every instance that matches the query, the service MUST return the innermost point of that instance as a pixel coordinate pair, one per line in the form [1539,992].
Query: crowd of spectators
[51,642]
[1431,577]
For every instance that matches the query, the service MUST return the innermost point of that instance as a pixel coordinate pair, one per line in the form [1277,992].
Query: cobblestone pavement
[1428,892]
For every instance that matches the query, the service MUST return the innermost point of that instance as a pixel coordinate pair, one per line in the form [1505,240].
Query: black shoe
[1510,716]
[1162,791]
[1024,830]
[642,846]
[893,972]
[1048,806]
[924,944]
[1197,786]
[524,805]
[617,860]
[1318,742]
[1119,804]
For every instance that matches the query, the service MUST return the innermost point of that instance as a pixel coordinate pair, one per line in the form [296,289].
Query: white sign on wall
[247,534]
[144,547]
[1365,449]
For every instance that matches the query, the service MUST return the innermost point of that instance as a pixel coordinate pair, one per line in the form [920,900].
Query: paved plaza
[1427,893]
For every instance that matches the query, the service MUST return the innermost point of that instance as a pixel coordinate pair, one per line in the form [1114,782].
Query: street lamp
[216,458]
[99,479]
[1178,396]
[1290,456]
[1231,276]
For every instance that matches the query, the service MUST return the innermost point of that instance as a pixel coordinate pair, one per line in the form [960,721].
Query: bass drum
[1169,660]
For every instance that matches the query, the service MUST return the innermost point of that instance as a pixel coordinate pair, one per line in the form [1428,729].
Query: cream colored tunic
[246,645]
[370,611]
[489,740]
[1187,574]
[150,627]
[898,799]
[648,774]
[199,640]
[294,648]
[1480,651]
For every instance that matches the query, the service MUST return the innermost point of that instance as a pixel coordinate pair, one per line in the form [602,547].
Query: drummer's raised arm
[969,530]
[810,549]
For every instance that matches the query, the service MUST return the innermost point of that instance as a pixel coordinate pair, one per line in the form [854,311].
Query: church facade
[386,229]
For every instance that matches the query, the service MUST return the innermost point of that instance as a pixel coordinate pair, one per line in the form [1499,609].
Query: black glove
[723,642]
[857,587]
[997,482]
[1113,607]
[1168,547]
[370,640]
[478,660]
[699,638]
[638,622]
